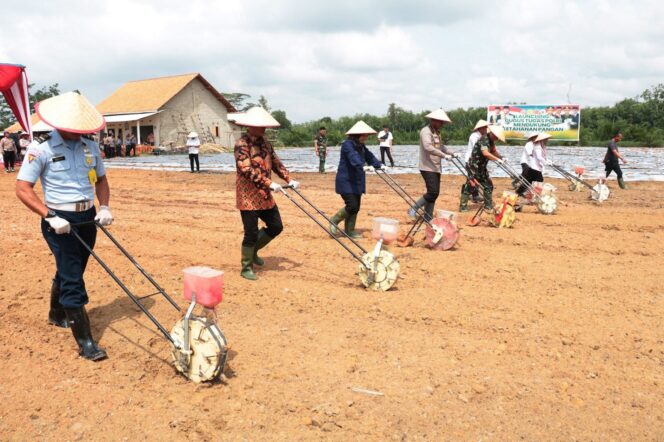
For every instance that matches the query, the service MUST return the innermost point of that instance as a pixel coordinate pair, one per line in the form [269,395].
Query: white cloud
[321,58]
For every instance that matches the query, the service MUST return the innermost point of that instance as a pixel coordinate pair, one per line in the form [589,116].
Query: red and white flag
[14,86]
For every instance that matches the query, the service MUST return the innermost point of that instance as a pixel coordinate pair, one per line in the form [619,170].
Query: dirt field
[552,330]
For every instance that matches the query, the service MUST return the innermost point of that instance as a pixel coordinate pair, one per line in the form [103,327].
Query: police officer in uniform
[71,172]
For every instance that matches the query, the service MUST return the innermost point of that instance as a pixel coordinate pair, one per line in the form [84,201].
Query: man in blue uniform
[71,172]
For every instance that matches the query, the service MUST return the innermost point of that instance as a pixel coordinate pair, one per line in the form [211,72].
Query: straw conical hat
[543,136]
[192,135]
[254,117]
[531,135]
[71,112]
[360,128]
[498,131]
[440,115]
[480,124]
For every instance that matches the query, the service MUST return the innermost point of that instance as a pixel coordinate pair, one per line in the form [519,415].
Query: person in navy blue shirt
[354,160]
[71,172]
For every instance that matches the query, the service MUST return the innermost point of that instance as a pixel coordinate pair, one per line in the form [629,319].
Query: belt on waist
[80,206]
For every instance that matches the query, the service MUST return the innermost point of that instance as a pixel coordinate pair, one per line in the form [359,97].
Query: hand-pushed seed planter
[199,348]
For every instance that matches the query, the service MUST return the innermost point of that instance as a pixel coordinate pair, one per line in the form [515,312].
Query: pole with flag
[14,87]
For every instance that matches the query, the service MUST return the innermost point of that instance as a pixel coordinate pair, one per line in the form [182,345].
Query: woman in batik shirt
[255,160]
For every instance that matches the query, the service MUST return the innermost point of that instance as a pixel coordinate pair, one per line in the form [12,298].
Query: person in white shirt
[536,161]
[525,155]
[479,131]
[385,138]
[23,144]
[193,143]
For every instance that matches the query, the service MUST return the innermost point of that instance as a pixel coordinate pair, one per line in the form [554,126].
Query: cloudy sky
[329,58]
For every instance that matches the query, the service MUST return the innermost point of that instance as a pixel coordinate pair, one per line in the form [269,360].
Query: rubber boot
[463,201]
[476,195]
[336,219]
[622,184]
[80,326]
[247,262]
[350,226]
[263,240]
[413,211]
[428,209]
[488,199]
[56,314]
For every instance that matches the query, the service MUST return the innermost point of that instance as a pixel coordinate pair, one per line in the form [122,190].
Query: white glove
[548,162]
[500,160]
[104,216]
[368,168]
[294,184]
[455,155]
[59,225]
[275,187]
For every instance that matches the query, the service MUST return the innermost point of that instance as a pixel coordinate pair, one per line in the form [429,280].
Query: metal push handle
[465,171]
[313,218]
[118,281]
[399,190]
[571,177]
[515,176]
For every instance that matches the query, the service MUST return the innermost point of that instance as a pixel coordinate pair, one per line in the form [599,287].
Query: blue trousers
[71,257]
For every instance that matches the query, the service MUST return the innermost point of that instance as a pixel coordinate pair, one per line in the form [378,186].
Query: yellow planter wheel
[386,271]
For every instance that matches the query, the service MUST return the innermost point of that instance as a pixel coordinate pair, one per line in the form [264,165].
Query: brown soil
[550,330]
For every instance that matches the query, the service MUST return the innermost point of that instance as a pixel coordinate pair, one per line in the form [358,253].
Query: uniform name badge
[92,176]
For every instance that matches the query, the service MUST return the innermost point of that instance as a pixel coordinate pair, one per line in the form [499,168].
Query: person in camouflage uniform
[483,151]
[320,147]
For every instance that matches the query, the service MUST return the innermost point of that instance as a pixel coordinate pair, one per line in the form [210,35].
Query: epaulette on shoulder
[88,137]
[43,138]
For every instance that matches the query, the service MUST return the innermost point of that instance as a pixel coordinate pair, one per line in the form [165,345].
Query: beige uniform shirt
[431,150]
[7,144]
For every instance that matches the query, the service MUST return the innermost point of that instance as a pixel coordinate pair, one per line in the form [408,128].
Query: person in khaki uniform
[432,151]
[8,148]
[255,160]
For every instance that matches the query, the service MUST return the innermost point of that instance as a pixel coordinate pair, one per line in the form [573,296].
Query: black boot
[80,327]
[56,314]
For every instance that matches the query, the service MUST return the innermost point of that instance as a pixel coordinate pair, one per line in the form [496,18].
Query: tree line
[641,120]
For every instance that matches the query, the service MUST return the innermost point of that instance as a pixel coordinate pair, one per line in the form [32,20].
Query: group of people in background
[114,146]
[385,140]
[13,149]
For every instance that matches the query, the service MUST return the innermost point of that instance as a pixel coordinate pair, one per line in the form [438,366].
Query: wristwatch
[50,214]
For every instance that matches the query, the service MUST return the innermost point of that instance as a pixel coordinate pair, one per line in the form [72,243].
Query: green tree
[280,116]
[239,100]
[262,102]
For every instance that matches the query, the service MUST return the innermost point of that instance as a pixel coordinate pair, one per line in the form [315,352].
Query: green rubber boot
[336,219]
[247,262]
[463,200]
[428,210]
[488,199]
[350,227]
[622,184]
[263,240]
